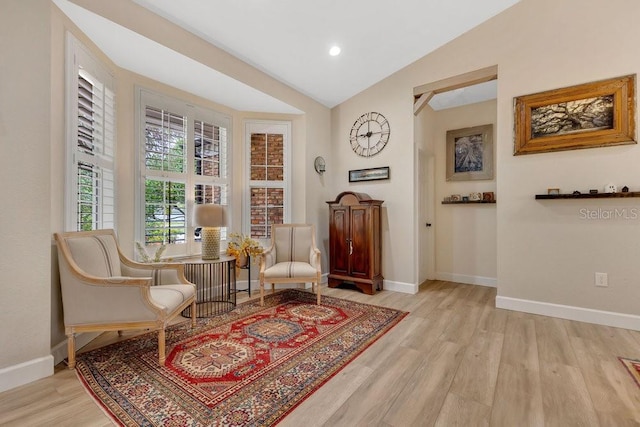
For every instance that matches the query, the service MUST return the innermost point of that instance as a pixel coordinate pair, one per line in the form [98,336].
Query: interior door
[426,238]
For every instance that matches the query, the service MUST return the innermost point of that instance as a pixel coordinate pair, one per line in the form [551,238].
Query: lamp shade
[210,215]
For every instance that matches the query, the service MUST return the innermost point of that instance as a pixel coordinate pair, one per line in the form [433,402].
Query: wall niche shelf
[588,196]
[470,202]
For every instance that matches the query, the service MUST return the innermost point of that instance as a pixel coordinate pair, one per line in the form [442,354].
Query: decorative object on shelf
[610,188]
[553,191]
[593,191]
[475,196]
[447,198]
[470,153]
[146,258]
[210,217]
[369,134]
[625,189]
[319,165]
[242,247]
[576,193]
[456,198]
[589,115]
[620,195]
[372,174]
[465,198]
[488,196]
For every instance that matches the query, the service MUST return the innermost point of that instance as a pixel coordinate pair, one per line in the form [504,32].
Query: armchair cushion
[292,244]
[170,297]
[290,270]
[96,255]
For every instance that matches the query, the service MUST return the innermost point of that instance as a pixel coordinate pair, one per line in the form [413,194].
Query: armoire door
[339,240]
[360,242]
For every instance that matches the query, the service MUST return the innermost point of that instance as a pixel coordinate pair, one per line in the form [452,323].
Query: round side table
[215,282]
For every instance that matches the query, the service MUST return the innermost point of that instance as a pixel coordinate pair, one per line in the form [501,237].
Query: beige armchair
[292,258]
[102,290]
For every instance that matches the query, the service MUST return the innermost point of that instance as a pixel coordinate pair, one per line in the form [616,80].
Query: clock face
[369,134]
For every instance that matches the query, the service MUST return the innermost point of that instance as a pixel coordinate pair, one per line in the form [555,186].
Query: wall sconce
[319,165]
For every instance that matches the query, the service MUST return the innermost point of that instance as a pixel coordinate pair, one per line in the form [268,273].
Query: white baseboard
[469,280]
[59,352]
[405,288]
[26,372]
[588,315]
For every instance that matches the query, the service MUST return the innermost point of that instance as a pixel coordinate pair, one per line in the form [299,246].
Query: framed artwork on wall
[589,115]
[470,153]
[372,174]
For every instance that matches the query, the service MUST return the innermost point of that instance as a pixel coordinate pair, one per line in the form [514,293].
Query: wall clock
[369,134]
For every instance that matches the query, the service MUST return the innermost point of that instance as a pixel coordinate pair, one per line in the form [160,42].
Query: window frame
[266,126]
[147,97]
[79,60]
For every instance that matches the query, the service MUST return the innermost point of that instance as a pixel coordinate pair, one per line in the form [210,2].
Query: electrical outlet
[602,280]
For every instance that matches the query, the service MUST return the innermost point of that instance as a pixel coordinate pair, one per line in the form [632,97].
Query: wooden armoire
[355,242]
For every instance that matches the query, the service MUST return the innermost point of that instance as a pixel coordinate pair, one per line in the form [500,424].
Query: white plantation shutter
[90,188]
[183,162]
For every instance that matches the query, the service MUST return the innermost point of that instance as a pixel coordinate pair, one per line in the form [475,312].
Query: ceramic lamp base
[210,242]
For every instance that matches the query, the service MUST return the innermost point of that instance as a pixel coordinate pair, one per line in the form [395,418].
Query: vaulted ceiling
[290,41]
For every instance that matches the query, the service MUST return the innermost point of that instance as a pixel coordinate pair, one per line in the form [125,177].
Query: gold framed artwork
[470,153]
[589,115]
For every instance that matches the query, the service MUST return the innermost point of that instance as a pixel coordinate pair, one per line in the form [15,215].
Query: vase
[242,260]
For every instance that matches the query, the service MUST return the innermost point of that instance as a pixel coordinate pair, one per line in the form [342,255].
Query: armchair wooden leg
[161,349]
[318,291]
[261,293]
[193,314]
[71,350]
[273,288]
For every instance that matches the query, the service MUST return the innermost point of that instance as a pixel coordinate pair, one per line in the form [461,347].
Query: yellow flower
[240,243]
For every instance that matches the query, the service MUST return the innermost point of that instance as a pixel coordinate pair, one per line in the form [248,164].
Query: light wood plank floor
[455,360]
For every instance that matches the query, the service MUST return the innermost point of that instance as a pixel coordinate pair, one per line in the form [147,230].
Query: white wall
[398,210]
[466,238]
[25,136]
[546,254]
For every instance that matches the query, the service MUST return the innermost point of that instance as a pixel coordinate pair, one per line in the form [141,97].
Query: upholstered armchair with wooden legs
[292,258]
[102,290]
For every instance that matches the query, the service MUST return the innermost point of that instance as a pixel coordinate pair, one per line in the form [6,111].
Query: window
[183,162]
[90,180]
[268,195]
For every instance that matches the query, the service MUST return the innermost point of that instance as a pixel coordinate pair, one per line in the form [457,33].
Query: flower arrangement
[242,246]
[144,255]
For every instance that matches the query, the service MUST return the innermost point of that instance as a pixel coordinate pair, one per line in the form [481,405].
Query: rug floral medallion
[248,367]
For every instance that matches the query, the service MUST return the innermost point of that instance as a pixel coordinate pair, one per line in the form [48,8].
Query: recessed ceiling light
[334,51]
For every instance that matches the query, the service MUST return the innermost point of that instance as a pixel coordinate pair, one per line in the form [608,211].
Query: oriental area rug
[633,367]
[248,367]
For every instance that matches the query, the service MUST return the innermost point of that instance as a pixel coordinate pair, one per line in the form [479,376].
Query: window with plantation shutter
[183,155]
[268,196]
[90,181]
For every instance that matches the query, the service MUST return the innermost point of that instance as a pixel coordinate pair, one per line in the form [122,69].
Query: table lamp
[210,217]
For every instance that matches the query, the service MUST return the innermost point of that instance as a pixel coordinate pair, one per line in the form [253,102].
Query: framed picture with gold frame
[589,115]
